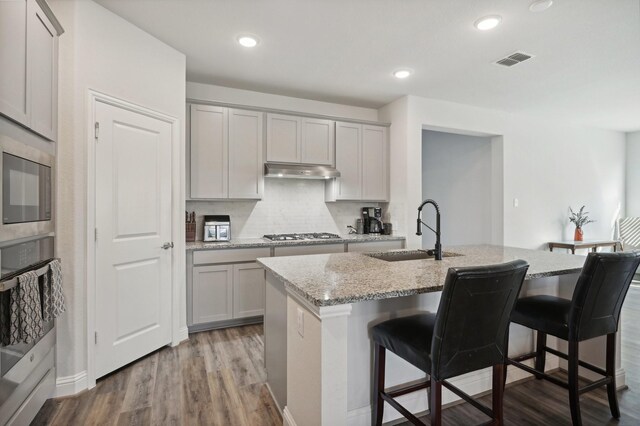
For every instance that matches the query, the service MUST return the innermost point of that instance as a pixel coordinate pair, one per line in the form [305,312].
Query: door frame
[179,331]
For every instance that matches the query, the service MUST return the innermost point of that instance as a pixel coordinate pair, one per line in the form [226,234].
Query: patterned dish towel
[25,310]
[52,297]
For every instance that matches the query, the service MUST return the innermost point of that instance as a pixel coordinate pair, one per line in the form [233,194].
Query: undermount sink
[398,256]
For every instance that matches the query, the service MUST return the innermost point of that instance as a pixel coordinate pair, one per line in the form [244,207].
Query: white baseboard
[70,385]
[287,419]
[181,336]
[472,383]
[621,378]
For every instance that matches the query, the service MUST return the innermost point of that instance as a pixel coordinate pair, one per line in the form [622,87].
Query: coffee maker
[372,220]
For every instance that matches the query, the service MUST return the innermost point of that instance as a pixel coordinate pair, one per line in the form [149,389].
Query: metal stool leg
[378,384]
[498,393]
[611,372]
[574,394]
[541,354]
[436,403]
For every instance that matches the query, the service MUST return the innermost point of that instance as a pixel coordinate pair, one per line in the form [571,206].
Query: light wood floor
[217,378]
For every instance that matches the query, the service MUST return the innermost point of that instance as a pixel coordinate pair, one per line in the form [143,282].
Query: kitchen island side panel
[275,339]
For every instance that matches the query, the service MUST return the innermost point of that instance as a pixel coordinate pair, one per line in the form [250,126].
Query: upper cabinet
[226,153]
[13,60]
[245,154]
[362,157]
[375,163]
[300,140]
[42,42]
[209,152]
[29,63]
[284,136]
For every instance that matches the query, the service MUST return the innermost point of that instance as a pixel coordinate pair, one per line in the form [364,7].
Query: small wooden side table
[587,244]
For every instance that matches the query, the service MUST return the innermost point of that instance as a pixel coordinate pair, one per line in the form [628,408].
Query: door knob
[167,246]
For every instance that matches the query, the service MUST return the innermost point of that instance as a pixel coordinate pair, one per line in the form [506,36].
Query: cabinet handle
[167,246]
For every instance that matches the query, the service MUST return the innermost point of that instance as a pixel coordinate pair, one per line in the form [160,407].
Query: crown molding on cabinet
[286,112]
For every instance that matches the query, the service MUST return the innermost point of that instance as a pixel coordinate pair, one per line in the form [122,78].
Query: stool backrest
[599,294]
[472,323]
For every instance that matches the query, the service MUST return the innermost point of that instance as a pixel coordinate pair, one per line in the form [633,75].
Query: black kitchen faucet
[438,248]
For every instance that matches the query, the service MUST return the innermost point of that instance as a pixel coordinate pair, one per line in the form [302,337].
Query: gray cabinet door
[284,136]
[375,163]
[14,81]
[42,65]
[245,154]
[212,294]
[348,161]
[318,141]
[248,290]
[209,152]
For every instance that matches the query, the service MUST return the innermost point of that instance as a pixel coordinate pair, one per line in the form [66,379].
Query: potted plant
[579,219]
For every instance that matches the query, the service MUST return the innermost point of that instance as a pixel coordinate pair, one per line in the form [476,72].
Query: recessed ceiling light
[248,40]
[403,73]
[540,5]
[488,22]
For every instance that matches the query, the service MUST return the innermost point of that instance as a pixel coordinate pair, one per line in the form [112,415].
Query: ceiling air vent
[514,59]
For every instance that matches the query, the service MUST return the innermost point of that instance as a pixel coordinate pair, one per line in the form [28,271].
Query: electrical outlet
[300,322]
[516,202]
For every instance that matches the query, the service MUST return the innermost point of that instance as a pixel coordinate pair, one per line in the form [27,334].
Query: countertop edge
[200,245]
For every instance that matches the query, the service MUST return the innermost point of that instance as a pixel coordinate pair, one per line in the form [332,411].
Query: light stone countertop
[261,242]
[336,279]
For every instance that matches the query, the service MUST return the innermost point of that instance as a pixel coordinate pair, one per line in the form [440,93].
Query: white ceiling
[586,67]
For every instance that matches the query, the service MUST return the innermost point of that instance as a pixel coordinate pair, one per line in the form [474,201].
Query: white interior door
[133,222]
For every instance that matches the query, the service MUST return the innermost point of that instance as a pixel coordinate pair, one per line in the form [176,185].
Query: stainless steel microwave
[26,190]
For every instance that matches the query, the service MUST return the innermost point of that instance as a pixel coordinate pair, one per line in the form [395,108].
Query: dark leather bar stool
[594,311]
[468,333]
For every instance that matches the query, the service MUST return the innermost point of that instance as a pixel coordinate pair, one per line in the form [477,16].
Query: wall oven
[27,372]
[26,190]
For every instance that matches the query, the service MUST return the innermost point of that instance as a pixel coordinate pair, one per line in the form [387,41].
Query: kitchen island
[320,308]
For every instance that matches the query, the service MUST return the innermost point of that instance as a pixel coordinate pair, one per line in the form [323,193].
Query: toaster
[217,228]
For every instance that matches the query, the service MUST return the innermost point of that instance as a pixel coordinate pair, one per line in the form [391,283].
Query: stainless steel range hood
[299,171]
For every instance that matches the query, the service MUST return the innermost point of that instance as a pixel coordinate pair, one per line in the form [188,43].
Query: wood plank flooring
[217,378]
[214,378]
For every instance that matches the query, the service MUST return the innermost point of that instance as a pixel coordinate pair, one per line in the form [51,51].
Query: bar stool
[594,311]
[468,333]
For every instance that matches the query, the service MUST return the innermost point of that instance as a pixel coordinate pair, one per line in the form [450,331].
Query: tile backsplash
[288,206]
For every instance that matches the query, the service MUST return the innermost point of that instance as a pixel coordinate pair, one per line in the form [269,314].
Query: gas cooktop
[307,236]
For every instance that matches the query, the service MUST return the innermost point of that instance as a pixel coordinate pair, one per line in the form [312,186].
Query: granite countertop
[261,242]
[335,279]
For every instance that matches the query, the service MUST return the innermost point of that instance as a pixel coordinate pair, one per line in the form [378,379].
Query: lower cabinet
[227,287]
[227,292]
[212,293]
[248,290]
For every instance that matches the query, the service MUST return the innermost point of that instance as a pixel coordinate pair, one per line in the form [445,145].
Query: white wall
[102,52]
[456,172]
[633,174]
[288,205]
[548,166]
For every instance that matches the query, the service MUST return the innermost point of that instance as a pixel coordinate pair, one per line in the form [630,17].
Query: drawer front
[228,256]
[302,250]
[375,246]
